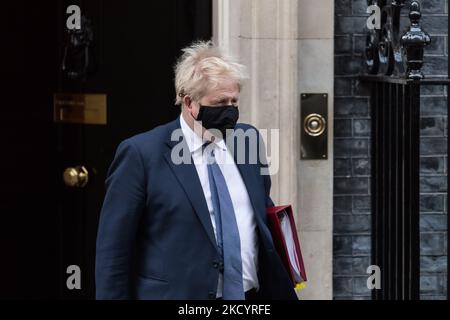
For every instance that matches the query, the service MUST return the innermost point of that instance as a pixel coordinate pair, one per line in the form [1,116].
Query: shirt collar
[193,140]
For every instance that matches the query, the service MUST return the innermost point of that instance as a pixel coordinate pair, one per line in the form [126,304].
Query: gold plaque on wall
[79,108]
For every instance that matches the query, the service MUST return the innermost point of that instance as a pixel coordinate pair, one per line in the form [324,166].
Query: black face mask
[220,117]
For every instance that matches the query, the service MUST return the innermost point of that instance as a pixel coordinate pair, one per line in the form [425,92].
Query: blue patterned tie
[227,232]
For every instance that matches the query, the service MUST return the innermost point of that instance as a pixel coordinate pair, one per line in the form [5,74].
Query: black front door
[48,224]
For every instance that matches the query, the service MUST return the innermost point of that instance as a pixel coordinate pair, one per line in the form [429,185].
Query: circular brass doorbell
[314,124]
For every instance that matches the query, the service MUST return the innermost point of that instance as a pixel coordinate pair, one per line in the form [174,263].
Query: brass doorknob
[76,177]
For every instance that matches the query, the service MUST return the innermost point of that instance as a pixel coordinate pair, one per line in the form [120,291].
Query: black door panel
[47,226]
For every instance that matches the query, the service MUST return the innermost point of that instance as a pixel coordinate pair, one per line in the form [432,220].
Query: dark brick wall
[352,155]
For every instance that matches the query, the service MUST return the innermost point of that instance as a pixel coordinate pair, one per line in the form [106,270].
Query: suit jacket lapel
[188,178]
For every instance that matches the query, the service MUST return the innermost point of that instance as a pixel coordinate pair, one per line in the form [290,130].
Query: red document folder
[284,234]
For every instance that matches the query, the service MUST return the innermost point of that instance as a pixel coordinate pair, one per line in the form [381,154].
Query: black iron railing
[394,61]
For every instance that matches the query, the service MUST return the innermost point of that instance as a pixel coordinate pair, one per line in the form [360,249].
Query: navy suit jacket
[155,238]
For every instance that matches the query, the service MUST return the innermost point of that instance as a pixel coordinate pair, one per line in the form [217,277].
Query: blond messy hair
[201,67]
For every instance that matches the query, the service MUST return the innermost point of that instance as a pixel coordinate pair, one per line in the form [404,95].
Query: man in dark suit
[184,217]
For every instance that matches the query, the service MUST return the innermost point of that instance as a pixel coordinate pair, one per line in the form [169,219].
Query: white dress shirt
[245,217]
